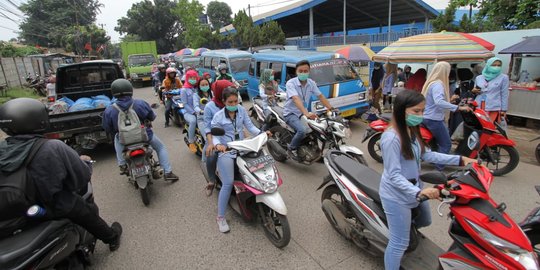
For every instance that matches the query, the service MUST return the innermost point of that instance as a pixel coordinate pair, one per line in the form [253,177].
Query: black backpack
[17,194]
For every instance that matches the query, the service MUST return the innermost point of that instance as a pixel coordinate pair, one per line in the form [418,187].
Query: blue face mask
[303,76]
[231,108]
[205,88]
[414,120]
[192,81]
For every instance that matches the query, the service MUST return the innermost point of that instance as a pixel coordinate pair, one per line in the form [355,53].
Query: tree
[155,20]
[9,50]
[86,40]
[271,33]
[46,22]
[219,14]
[191,30]
[247,34]
[445,20]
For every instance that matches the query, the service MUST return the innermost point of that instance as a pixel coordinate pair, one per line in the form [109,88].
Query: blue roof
[227,53]
[292,56]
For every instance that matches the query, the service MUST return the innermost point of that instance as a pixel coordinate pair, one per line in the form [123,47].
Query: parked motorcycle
[496,148]
[255,193]
[142,168]
[257,113]
[531,226]
[37,83]
[484,236]
[328,131]
[53,244]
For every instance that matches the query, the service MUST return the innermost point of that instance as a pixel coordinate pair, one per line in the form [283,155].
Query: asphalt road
[178,229]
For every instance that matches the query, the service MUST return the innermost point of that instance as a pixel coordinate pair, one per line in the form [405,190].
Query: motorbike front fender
[349,149]
[142,182]
[274,201]
[498,139]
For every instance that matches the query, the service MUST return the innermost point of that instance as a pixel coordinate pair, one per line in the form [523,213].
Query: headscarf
[417,80]
[488,72]
[265,77]
[217,91]
[190,74]
[440,73]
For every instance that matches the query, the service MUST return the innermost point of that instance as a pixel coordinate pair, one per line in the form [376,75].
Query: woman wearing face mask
[190,115]
[403,150]
[268,88]
[233,118]
[492,90]
[203,95]
[437,93]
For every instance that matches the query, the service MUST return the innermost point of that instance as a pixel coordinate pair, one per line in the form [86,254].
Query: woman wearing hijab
[437,93]
[417,80]
[268,88]
[389,79]
[492,89]
[190,114]
[376,82]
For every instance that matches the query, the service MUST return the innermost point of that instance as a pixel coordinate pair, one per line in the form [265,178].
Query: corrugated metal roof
[529,45]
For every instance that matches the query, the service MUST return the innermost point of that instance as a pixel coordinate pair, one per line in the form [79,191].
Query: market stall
[524,99]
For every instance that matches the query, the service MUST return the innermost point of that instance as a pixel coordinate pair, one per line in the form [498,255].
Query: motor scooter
[531,226]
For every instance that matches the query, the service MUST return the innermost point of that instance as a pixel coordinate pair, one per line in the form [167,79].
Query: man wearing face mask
[299,93]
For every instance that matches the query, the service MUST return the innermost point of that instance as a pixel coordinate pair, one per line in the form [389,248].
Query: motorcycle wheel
[271,222]
[333,194]
[537,153]
[504,162]
[253,117]
[145,196]
[278,144]
[374,148]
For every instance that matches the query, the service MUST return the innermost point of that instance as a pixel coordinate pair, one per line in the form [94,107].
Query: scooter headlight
[527,259]
[267,180]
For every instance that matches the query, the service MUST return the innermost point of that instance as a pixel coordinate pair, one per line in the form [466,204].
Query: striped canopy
[433,47]
[356,53]
[184,51]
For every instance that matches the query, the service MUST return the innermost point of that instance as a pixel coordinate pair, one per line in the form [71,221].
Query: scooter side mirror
[217,131]
[436,178]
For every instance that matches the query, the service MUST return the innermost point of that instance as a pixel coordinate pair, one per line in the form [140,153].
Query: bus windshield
[239,64]
[141,60]
[332,71]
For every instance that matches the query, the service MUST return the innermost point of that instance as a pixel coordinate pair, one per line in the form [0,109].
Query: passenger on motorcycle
[210,110]
[224,74]
[268,89]
[403,150]
[159,76]
[200,99]
[299,92]
[171,82]
[190,115]
[57,171]
[123,91]
[233,118]
[437,93]
[207,76]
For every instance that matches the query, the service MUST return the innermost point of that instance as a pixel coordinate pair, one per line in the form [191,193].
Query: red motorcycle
[495,146]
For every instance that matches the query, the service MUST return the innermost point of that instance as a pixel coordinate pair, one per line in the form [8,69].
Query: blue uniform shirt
[495,92]
[437,102]
[209,111]
[233,130]
[295,88]
[186,95]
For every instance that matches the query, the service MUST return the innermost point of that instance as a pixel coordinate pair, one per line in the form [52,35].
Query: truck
[138,58]
[82,129]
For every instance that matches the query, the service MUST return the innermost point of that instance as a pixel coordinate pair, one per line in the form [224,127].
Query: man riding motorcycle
[159,76]
[123,91]
[56,170]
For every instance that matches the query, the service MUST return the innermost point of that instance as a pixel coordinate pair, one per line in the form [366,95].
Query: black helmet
[24,116]
[121,87]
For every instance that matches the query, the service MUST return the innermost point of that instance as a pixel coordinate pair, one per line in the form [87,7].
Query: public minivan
[237,61]
[335,77]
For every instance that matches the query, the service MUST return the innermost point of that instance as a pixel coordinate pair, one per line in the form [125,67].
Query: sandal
[210,189]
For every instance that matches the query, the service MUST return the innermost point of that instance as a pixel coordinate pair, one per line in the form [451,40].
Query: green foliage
[445,20]
[533,25]
[191,29]
[18,92]
[219,14]
[79,36]
[271,33]
[130,38]
[8,50]
[249,35]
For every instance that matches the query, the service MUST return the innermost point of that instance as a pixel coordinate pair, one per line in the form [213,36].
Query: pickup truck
[82,129]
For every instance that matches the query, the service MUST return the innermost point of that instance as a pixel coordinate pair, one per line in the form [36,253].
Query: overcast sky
[115,9]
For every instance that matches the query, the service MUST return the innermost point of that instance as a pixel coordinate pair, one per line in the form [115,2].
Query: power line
[5,16]
[13,4]
[8,10]
[8,28]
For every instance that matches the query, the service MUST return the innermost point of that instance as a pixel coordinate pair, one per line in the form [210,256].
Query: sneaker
[170,176]
[293,154]
[155,94]
[192,148]
[123,169]
[115,244]
[222,225]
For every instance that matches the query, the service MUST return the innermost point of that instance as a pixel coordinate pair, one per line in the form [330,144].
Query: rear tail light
[137,152]
[53,135]
[51,99]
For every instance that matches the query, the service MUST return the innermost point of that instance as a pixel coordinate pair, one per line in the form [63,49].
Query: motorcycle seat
[363,177]
[259,102]
[386,117]
[24,244]
[279,111]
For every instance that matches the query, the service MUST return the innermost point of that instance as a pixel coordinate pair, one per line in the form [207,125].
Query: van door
[253,82]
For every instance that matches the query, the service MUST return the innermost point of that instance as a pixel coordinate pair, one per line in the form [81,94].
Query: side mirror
[436,178]
[217,131]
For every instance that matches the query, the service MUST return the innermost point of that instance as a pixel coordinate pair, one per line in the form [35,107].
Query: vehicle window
[277,68]
[208,62]
[109,74]
[260,67]
[332,71]
[239,64]
[72,77]
[141,60]
[252,67]
[291,73]
[215,63]
[90,75]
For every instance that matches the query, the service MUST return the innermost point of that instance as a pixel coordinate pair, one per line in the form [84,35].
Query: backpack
[17,194]
[130,129]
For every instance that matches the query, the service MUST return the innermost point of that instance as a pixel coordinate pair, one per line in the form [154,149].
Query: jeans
[225,165]
[156,144]
[301,130]
[191,120]
[399,219]
[441,136]
[168,108]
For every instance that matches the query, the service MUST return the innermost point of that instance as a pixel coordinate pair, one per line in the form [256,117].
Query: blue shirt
[437,102]
[305,93]
[233,129]
[197,103]
[388,84]
[395,184]
[494,93]
[143,110]
[209,111]
[186,95]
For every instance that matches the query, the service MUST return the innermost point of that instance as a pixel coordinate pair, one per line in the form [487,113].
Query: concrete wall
[13,70]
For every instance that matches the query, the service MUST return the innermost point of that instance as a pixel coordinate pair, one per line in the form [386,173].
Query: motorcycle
[484,236]
[537,150]
[257,113]
[177,111]
[142,168]
[328,131]
[53,244]
[39,85]
[493,140]
[200,139]
[255,193]
[531,226]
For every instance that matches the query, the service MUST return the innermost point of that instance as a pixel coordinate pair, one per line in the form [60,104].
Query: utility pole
[249,10]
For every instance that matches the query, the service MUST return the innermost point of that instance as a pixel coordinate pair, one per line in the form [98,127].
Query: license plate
[259,163]
[146,78]
[348,113]
[139,171]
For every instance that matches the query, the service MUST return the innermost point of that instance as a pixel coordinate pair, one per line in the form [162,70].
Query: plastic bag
[67,100]
[458,134]
[59,107]
[101,101]
[82,104]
